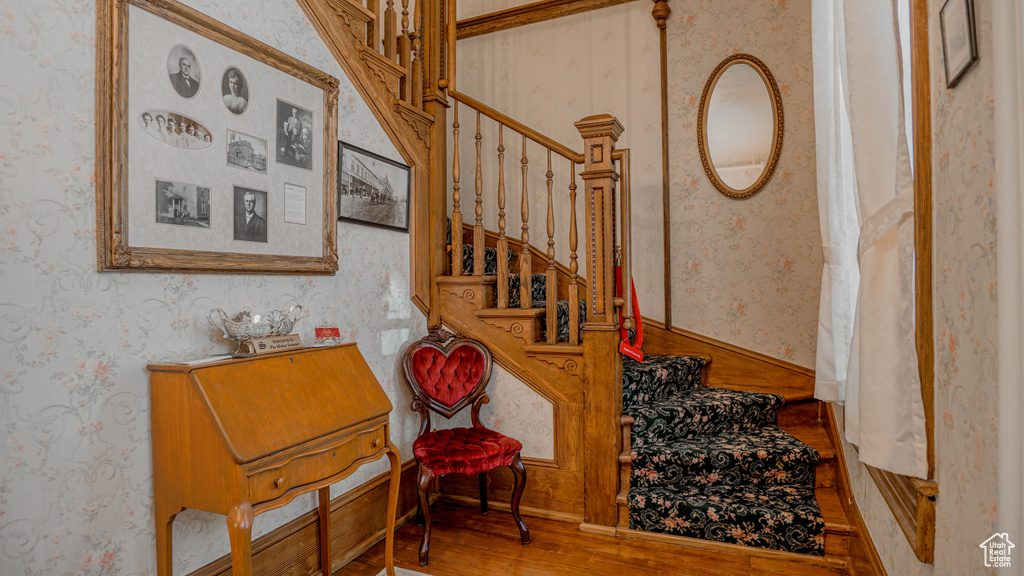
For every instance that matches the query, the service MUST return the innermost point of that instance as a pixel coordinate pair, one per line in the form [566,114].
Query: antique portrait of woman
[235,89]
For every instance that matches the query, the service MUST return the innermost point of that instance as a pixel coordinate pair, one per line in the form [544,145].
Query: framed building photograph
[190,183]
[247,152]
[372,189]
[959,39]
[182,204]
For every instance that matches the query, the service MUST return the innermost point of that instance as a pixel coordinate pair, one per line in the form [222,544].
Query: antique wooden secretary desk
[246,435]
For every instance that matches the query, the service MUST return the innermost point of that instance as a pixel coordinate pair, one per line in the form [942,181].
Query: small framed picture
[235,90]
[294,135]
[247,152]
[250,214]
[182,204]
[959,39]
[184,72]
[372,190]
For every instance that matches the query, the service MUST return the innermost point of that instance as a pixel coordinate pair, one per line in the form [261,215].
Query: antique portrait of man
[235,90]
[183,70]
[250,214]
[294,135]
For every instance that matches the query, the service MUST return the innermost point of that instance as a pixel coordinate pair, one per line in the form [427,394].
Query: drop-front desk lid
[266,404]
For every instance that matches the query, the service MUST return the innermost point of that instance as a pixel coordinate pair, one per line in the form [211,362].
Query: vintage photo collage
[189,204]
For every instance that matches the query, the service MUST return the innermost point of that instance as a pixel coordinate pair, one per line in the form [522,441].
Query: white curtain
[866,356]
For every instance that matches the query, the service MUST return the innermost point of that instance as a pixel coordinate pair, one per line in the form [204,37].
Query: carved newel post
[603,368]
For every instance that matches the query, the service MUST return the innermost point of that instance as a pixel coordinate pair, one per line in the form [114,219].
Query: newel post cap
[599,126]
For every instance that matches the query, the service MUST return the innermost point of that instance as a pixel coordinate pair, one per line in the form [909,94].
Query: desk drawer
[317,464]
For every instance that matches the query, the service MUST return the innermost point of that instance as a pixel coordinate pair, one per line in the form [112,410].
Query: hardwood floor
[467,543]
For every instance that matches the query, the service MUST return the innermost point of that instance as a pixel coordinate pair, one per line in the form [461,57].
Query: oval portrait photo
[184,71]
[235,89]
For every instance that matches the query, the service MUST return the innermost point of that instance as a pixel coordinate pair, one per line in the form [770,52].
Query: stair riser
[683,423]
[825,474]
[798,413]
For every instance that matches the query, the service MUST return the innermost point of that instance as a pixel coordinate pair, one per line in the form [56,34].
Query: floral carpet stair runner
[538,290]
[711,463]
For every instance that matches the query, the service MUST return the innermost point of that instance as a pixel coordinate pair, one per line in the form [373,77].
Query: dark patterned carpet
[711,463]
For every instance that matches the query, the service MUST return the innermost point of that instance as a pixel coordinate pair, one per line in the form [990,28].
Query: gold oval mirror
[739,126]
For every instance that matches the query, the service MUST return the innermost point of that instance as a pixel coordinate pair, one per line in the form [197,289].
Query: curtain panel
[866,356]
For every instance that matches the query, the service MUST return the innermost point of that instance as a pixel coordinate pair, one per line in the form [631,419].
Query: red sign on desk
[323,333]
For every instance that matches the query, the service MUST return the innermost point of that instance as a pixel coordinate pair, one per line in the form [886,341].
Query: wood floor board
[467,543]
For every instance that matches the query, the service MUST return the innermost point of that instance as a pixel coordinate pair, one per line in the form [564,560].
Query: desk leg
[164,549]
[324,500]
[240,533]
[389,537]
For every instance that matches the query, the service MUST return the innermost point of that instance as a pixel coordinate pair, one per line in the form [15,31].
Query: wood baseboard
[357,523]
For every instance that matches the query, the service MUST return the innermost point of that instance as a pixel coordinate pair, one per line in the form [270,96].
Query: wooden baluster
[417,63]
[574,266]
[479,241]
[502,244]
[390,31]
[456,198]
[525,262]
[551,279]
[372,34]
[405,56]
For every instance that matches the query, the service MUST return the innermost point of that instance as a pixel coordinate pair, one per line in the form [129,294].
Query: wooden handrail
[519,127]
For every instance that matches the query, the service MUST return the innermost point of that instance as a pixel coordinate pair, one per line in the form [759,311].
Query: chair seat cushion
[465,450]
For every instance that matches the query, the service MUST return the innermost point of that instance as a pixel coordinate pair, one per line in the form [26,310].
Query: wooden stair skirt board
[357,523]
[837,563]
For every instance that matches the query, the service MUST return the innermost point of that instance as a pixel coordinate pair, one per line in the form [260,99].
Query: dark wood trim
[864,559]
[923,218]
[357,523]
[912,500]
[661,333]
[528,14]
[661,12]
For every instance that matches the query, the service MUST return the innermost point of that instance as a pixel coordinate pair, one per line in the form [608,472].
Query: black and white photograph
[959,39]
[184,71]
[182,204]
[235,89]
[175,129]
[250,214]
[294,135]
[372,189]
[247,152]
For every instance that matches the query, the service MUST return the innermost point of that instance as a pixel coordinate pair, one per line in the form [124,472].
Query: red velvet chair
[446,374]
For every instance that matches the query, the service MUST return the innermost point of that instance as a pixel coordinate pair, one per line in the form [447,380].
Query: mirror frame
[702,122]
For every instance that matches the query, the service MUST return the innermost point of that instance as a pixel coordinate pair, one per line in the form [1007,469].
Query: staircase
[731,466]
[741,460]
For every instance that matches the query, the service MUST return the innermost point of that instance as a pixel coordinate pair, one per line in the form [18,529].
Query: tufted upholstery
[464,450]
[447,379]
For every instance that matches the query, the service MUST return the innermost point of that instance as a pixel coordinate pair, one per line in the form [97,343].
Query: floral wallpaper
[964,307]
[75,462]
[745,271]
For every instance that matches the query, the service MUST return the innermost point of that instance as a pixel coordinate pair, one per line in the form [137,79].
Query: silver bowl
[246,326]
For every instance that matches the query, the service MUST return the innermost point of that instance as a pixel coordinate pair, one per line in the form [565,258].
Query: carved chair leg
[426,478]
[519,472]
[483,492]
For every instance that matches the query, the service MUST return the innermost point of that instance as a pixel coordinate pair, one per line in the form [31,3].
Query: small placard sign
[275,344]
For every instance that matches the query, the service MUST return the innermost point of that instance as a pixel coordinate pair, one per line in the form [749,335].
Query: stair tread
[560,348]
[775,517]
[832,510]
[509,312]
[814,435]
[763,456]
[703,411]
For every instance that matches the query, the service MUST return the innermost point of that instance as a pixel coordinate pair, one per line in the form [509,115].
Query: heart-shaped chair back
[447,377]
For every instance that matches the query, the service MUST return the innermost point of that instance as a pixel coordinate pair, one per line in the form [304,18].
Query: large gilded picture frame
[215,152]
